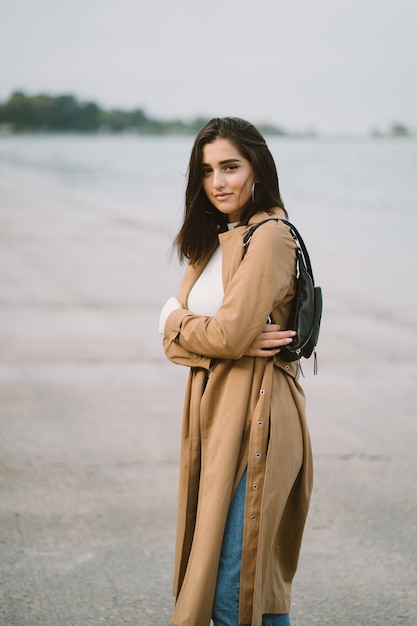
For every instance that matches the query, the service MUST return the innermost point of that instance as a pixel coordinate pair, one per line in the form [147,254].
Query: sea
[353,199]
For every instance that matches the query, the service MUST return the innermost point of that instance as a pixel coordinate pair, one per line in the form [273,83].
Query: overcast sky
[331,65]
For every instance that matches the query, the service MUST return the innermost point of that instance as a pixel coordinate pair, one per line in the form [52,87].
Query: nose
[218,179]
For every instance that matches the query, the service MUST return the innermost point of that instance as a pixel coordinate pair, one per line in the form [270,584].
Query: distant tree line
[65,113]
[395,130]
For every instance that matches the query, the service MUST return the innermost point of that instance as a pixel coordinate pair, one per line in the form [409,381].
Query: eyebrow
[225,162]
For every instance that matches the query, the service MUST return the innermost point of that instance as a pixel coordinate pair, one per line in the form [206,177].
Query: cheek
[246,189]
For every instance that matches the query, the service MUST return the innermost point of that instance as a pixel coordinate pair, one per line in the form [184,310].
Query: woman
[245,468]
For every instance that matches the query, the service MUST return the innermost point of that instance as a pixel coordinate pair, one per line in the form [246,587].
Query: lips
[222,196]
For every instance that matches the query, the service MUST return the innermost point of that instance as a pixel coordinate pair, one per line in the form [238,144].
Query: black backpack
[307,306]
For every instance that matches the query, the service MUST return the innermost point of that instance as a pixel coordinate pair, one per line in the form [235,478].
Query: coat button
[262,391]
[253,517]
[260,423]
[258,455]
[255,486]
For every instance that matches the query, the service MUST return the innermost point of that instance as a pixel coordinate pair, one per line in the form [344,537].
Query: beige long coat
[250,414]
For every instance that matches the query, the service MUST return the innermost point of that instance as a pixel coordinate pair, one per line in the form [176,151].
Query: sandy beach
[90,419]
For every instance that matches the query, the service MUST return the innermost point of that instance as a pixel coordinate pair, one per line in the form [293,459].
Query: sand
[90,420]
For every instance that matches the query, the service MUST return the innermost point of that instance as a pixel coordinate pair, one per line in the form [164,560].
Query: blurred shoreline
[65,113]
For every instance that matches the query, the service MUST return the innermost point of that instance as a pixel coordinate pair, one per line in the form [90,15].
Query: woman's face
[227,178]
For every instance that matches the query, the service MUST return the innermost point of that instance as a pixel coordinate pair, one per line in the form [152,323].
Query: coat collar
[259,217]
[231,251]
[264,215]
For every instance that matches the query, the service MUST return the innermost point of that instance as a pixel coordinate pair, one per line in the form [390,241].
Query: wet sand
[89,433]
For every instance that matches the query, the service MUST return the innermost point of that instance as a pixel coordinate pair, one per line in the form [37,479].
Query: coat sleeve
[262,280]
[176,352]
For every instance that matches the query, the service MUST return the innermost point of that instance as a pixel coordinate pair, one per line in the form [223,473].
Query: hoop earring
[253,193]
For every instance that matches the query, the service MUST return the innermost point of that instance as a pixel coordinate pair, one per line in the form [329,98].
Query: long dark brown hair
[202,223]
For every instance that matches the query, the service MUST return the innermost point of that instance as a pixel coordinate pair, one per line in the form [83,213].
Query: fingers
[275,343]
[277,338]
[269,341]
[271,328]
[276,329]
[261,352]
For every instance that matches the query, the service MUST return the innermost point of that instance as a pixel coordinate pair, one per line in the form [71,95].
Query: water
[344,177]
[355,201]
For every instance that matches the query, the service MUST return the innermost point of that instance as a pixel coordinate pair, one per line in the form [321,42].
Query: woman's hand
[269,341]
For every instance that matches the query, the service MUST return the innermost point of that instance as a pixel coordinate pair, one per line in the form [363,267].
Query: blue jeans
[226,599]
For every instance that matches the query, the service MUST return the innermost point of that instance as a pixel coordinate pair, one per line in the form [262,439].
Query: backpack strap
[295,234]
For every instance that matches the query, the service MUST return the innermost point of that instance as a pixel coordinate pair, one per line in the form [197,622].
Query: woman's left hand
[269,342]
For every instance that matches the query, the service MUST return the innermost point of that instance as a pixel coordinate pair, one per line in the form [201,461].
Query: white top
[206,294]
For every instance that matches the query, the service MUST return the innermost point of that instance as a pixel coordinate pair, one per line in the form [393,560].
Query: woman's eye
[231,168]
[206,171]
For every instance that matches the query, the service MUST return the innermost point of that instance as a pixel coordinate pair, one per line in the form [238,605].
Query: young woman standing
[246,466]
